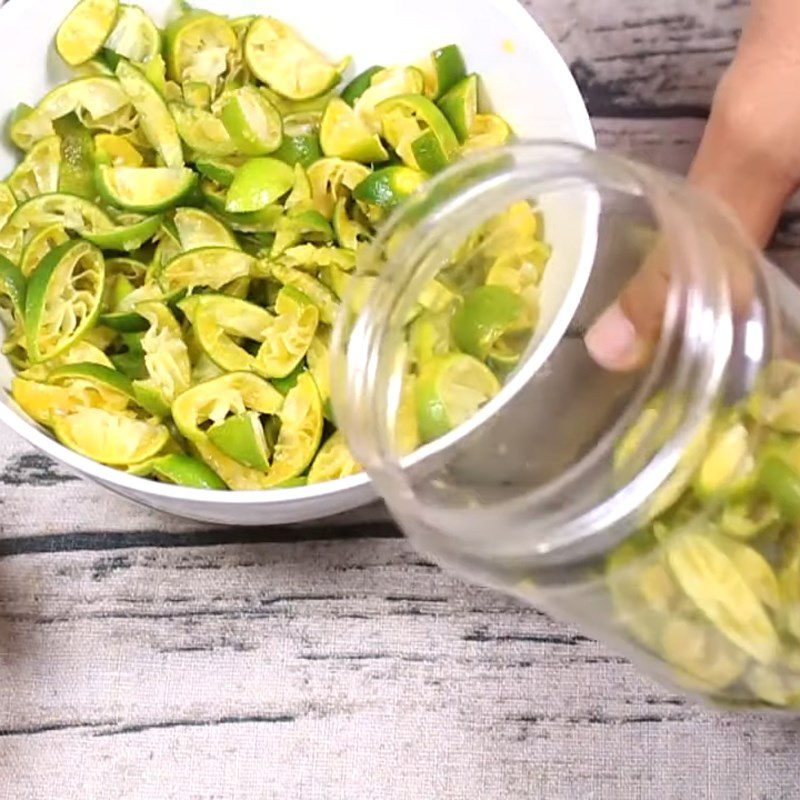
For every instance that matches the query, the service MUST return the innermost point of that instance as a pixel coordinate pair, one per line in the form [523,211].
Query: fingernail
[613,342]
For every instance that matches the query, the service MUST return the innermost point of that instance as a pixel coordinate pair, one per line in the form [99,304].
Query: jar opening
[534,470]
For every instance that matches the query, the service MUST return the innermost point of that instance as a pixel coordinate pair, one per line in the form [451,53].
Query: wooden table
[146,657]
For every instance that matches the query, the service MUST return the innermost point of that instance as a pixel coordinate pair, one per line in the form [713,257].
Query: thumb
[624,335]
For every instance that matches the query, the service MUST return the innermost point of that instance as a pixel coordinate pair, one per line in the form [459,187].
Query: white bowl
[527,81]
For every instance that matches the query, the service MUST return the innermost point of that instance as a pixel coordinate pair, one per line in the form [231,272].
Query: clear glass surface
[644,505]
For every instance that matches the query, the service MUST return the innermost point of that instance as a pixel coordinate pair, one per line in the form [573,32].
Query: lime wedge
[145,189]
[237,476]
[487,131]
[62,210]
[182,470]
[101,376]
[155,70]
[12,286]
[460,106]
[192,34]
[116,151]
[126,238]
[407,117]
[86,28]
[349,232]
[429,155]
[45,402]
[135,36]
[389,187]
[110,437]
[486,314]
[38,172]
[97,101]
[150,398]
[221,323]
[289,336]
[220,170]
[449,390]
[332,178]
[39,246]
[278,57]
[345,135]
[319,294]
[385,84]
[300,433]
[154,118]
[8,204]
[359,85]
[63,299]
[429,336]
[301,148]
[197,229]
[211,267]
[259,183]
[41,401]
[77,158]
[449,68]
[202,131]
[297,226]
[166,359]
[241,437]
[253,123]
[334,461]
[214,400]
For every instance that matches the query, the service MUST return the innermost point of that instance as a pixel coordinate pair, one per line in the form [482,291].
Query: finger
[624,336]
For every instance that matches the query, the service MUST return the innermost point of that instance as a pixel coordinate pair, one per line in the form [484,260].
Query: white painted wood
[632,56]
[334,670]
[352,669]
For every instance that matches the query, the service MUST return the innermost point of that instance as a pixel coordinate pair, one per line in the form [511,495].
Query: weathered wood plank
[340,670]
[347,670]
[634,58]
[38,498]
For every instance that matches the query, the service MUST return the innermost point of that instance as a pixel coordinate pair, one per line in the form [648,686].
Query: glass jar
[657,508]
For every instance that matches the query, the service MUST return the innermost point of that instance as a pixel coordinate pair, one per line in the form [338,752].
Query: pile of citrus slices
[183,228]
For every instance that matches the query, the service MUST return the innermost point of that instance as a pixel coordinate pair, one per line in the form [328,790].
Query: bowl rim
[582,133]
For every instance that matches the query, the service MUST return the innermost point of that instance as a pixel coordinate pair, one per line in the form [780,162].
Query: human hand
[749,158]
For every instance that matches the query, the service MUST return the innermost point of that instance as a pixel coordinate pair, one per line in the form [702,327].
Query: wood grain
[338,670]
[637,58]
[143,656]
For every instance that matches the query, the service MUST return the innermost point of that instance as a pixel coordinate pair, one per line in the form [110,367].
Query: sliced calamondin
[63,298]
[84,31]
[187,222]
[277,56]
[111,437]
[300,432]
[289,336]
[333,461]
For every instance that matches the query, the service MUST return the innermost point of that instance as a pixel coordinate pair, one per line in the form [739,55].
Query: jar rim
[698,323]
